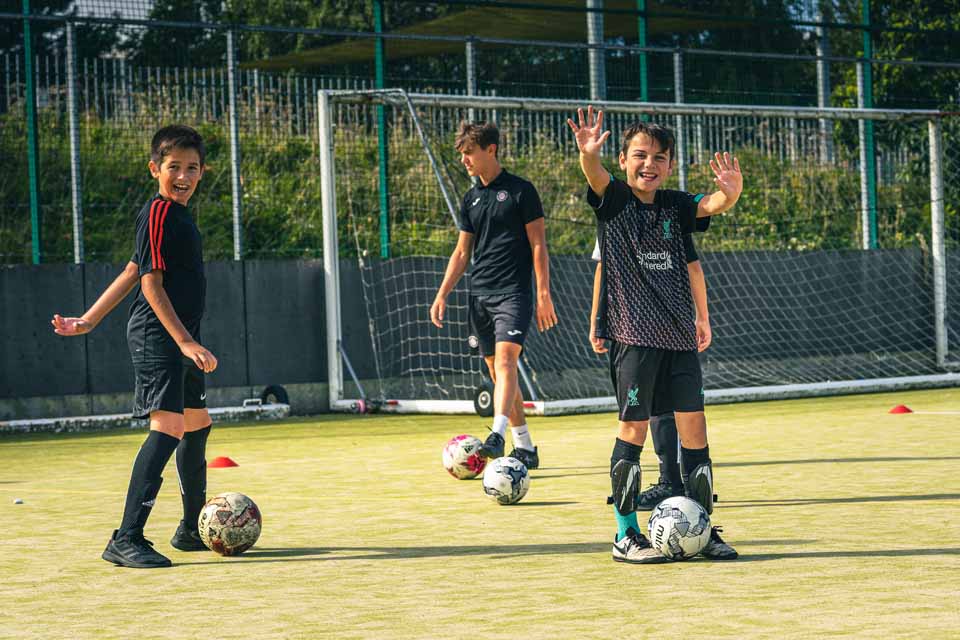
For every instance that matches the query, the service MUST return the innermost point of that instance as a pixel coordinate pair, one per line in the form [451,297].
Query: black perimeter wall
[265,320]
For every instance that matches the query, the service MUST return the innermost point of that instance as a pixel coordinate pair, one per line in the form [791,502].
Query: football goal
[829,276]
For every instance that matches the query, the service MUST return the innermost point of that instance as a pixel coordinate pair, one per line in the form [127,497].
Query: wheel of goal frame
[483,400]
[274,393]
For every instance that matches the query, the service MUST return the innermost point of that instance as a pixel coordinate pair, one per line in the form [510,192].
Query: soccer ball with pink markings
[461,458]
[229,523]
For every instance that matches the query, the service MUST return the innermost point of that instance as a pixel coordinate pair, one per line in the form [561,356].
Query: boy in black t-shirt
[663,427]
[502,225]
[646,310]
[163,335]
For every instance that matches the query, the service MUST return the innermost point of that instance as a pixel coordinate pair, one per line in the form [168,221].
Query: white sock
[521,437]
[499,425]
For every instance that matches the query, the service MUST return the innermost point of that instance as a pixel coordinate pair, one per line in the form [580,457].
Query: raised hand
[729,180]
[70,326]
[589,133]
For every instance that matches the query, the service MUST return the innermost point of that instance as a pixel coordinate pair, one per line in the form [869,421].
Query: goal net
[815,286]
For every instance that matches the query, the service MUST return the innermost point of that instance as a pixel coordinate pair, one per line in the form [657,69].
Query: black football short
[164,380]
[652,381]
[500,318]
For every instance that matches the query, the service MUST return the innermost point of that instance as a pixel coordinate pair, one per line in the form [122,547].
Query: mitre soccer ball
[506,480]
[679,528]
[229,523]
[460,457]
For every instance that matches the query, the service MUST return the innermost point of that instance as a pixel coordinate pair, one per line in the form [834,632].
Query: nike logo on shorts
[514,332]
[203,396]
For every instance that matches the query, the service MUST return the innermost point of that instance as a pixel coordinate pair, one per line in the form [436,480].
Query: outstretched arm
[698,287]
[456,266]
[729,182]
[590,138]
[537,236]
[122,285]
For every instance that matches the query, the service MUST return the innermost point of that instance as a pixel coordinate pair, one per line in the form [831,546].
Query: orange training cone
[901,408]
[222,461]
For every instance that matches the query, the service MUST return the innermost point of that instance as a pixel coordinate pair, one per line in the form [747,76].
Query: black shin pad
[625,483]
[700,485]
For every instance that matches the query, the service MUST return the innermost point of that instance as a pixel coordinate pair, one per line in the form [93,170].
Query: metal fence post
[33,152]
[72,116]
[236,193]
[470,51]
[937,244]
[681,138]
[823,89]
[868,166]
[382,140]
[596,54]
[642,42]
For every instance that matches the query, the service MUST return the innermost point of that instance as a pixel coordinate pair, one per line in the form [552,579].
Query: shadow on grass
[400,553]
[799,502]
[271,554]
[538,476]
[876,553]
[766,463]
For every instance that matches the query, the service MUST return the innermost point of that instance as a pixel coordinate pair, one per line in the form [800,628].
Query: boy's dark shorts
[164,380]
[500,318]
[651,381]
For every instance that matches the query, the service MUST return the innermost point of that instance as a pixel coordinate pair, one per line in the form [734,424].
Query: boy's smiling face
[178,174]
[646,164]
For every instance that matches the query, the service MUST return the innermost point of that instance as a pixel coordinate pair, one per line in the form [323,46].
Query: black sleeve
[154,237]
[530,206]
[690,248]
[615,198]
[465,224]
[687,206]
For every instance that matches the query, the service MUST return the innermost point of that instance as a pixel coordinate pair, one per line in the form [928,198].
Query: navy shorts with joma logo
[500,318]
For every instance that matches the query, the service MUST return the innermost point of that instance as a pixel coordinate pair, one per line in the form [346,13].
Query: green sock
[625,522]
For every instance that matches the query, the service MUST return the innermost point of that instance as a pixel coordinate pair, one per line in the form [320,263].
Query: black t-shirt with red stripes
[168,240]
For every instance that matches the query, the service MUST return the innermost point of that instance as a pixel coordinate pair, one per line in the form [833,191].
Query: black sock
[192,471]
[145,482]
[690,459]
[623,450]
[665,443]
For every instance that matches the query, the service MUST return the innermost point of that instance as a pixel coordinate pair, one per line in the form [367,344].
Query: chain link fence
[136,66]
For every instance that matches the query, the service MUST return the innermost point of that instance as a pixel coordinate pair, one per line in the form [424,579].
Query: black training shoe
[133,551]
[187,539]
[655,494]
[717,549]
[636,549]
[530,459]
[493,446]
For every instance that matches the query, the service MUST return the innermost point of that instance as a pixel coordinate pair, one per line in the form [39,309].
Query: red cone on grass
[901,408]
[222,461]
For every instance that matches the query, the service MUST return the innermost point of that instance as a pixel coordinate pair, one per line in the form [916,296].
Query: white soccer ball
[460,457]
[679,528]
[506,480]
